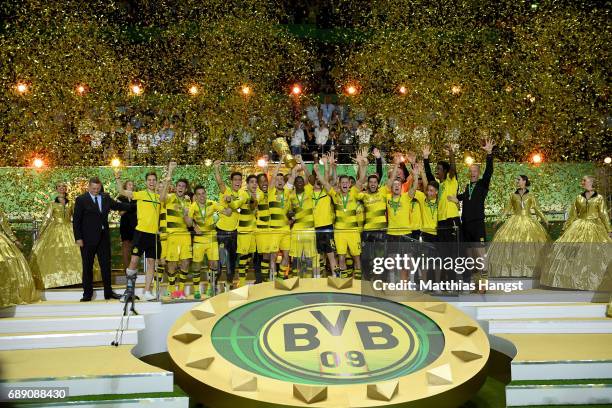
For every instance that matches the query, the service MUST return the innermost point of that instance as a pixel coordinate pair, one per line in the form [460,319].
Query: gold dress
[55,255]
[516,247]
[581,258]
[17,285]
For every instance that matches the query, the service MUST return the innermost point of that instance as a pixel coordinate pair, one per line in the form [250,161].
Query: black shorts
[399,244]
[325,239]
[147,244]
[473,232]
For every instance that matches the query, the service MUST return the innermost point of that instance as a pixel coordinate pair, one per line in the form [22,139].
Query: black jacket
[88,222]
[473,208]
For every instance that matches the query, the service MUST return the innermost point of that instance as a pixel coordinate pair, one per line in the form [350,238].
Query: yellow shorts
[210,249]
[262,238]
[348,240]
[164,247]
[246,243]
[280,240]
[303,243]
[178,247]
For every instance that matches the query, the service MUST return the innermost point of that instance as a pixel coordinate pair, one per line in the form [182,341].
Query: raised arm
[416,171]
[379,162]
[428,174]
[164,191]
[362,162]
[323,180]
[307,173]
[394,171]
[120,189]
[276,170]
[488,173]
[218,178]
[452,173]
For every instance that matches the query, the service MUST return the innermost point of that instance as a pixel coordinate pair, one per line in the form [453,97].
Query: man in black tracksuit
[472,228]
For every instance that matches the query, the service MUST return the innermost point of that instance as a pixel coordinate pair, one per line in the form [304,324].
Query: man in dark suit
[92,235]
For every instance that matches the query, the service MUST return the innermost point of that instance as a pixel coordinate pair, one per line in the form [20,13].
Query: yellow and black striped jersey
[375,205]
[175,214]
[246,212]
[263,210]
[303,206]
[346,209]
[279,204]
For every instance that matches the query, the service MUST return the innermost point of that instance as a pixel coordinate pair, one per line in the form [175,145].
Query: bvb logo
[323,338]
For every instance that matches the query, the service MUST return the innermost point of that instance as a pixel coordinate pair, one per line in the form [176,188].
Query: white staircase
[562,349]
[62,342]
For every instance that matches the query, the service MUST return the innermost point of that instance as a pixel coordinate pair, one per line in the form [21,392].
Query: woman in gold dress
[581,258]
[516,246]
[55,256]
[16,284]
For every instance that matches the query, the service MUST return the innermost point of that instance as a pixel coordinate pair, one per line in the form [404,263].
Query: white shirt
[312,112]
[364,135]
[321,135]
[297,137]
[96,138]
[143,142]
[327,109]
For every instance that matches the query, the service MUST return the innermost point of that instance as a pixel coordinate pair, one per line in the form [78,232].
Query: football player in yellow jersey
[399,210]
[346,234]
[246,206]
[303,239]
[163,239]
[201,218]
[227,235]
[279,203]
[324,214]
[179,237]
[448,211]
[262,235]
[146,239]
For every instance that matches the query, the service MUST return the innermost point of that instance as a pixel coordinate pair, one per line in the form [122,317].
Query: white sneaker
[148,296]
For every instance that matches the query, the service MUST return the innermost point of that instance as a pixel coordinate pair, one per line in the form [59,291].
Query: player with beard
[279,204]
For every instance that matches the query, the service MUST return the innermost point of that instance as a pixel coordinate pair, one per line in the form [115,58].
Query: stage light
[262,162]
[536,158]
[351,90]
[136,89]
[81,89]
[38,163]
[469,160]
[193,90]
[296,89]
[245,90]
[608,160]
[21,87]
[115,163]
[403,90]
[208,162]
[456,89]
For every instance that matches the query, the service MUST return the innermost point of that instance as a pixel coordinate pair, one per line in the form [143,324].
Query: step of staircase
[67,308]
[53,340]
[67,324]
[541,311]
[103,370]
[585,392]
[551,325]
